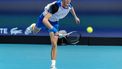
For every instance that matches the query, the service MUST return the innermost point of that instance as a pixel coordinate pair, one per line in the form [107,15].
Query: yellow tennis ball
[89,29]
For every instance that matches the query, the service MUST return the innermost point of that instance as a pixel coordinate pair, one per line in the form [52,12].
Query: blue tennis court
[31,56]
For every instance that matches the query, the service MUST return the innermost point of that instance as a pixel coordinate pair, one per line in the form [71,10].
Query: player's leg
[35,27]
[54,40]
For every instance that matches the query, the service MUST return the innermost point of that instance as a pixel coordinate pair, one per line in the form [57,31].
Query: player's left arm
[74,15]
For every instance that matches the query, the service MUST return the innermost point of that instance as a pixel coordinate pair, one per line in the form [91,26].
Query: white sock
[31,26]
[53,63]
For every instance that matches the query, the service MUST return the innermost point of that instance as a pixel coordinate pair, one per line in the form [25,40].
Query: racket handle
[61,36]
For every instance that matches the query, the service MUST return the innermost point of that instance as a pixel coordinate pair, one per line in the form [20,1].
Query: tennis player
[49,19]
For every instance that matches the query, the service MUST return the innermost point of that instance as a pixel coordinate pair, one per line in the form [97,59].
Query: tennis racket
[72,37]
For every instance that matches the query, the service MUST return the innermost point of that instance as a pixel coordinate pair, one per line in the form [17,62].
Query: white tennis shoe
[28,30]
[53,67]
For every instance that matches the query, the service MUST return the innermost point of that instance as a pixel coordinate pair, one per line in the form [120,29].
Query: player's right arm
[52,10]
[46,20]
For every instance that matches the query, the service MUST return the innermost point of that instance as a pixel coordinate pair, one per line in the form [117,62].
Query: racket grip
[61,36]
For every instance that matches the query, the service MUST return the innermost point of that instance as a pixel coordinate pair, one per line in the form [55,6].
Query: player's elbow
[46,18]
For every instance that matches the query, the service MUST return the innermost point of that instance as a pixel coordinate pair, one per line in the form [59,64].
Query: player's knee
[54,43]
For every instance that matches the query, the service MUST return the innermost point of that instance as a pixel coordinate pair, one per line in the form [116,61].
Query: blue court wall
[105,16]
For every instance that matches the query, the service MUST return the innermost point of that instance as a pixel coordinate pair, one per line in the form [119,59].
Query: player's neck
[64,6]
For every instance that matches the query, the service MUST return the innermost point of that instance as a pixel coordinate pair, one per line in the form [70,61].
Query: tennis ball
[89,29]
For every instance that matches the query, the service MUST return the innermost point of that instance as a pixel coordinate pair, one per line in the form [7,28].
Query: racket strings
[73,38]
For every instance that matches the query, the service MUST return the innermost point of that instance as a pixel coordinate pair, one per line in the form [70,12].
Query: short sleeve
[53,8]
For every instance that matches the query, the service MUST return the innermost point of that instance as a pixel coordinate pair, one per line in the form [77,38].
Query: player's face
[66,2]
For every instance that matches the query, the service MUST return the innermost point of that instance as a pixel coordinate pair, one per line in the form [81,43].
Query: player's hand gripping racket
[71,37]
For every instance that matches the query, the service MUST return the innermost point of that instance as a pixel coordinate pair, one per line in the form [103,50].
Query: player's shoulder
[58,2]
[54,7]
[55,3]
